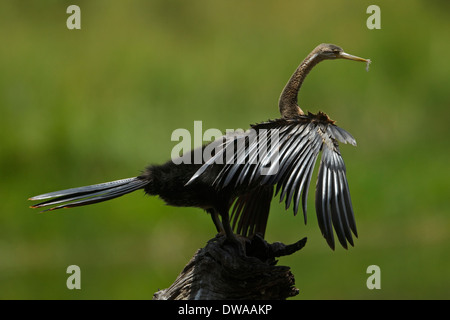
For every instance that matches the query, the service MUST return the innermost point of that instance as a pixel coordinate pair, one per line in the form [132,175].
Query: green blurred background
[86,106]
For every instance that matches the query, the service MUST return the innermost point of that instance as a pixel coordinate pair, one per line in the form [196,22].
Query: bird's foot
[261,249]
[258,247]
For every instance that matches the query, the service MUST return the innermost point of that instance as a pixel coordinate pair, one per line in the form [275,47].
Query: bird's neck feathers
[288,100]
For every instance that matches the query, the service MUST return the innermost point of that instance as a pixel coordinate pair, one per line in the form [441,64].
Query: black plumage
[292,148]
[245,169]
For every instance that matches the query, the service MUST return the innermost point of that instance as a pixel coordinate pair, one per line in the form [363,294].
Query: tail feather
[85,189]
[89,194]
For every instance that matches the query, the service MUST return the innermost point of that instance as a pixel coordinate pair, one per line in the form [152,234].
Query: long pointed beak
[347,56]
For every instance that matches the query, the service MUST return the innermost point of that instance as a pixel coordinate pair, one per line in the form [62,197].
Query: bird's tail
[89,194]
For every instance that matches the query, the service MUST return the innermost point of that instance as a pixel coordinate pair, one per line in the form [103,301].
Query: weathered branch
[221,271]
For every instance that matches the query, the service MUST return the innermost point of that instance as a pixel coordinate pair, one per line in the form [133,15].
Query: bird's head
[331,51]
[288,100]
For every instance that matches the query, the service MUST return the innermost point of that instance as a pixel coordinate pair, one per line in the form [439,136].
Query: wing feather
[289,162]
[333,204]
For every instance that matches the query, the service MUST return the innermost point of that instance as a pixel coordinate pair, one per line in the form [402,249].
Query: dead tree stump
[221,271]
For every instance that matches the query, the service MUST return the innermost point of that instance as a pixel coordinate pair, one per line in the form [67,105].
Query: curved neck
[288,100]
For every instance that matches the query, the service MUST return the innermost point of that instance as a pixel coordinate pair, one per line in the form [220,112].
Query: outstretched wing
[333,202]
[283,153]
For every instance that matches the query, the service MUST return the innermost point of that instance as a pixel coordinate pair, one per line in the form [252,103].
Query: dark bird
[241,170]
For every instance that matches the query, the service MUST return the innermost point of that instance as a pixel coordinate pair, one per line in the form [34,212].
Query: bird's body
[274,155]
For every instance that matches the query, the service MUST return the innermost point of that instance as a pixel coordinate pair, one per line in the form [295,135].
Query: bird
[240,171]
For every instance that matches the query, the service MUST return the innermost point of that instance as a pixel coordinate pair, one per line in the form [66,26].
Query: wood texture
[221,271]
